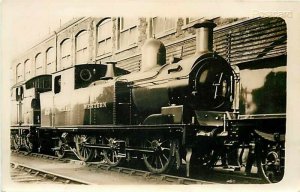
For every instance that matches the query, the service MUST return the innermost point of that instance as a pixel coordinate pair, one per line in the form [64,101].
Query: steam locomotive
[197,111]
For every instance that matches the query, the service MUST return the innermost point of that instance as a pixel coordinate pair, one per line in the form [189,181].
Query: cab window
[57,84]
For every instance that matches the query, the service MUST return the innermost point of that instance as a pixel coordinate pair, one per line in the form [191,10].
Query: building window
[27,68]
[20,72]
[190,20]
[128,32]
[38,64]
[163,25]
[104,37]
[82,47]
[65,54]
[50,60]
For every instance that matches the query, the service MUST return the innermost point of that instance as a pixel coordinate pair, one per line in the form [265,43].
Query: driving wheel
[83,152]
[162,158]
[112,154]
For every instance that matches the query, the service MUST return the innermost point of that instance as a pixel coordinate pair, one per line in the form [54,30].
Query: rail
[54,177]
[231,177]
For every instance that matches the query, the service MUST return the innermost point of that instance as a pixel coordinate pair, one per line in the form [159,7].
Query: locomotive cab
[34,87]
[26,100]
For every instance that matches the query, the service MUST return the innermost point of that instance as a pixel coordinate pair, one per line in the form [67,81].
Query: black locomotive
[199,110]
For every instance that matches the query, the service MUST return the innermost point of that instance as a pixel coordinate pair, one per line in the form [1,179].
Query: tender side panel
[263,89]
[268,127]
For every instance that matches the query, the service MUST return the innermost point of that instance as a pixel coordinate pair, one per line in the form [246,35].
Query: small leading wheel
[61,152]
[163,158]
[269,165]
[112,155]
[84,153]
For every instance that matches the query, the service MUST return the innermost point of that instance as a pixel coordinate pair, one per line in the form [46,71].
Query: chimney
[204,36]
[110,72]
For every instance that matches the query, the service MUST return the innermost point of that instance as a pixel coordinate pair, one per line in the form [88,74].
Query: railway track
[148,175]
[226,177]
[25,174]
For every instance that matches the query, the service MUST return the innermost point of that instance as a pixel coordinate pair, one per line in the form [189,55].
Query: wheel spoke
[161,159]
[161,163]
[165,148]
[111,154]
[84,153]
[165,157]
[114,158]
[152,160]
[269,164]
[163,142]
[61,152]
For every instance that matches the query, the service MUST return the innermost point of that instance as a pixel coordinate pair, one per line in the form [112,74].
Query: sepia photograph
[116,100]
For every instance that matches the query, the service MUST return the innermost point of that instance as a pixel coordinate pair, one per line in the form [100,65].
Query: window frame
[189,23]
[20,73]
[38,67]
[164,32]
[66,56]
[104,39]
[27,61]
[53,62]
[84,49]
[122,30]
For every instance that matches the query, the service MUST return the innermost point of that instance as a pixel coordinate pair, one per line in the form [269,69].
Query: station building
[242,41]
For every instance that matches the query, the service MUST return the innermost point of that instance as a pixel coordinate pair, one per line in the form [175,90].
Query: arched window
[163,25]
[65,54]
[39,64]
[28,69]
[128,32]
[104,37]
[82,47]
[20,72]
[50,60]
